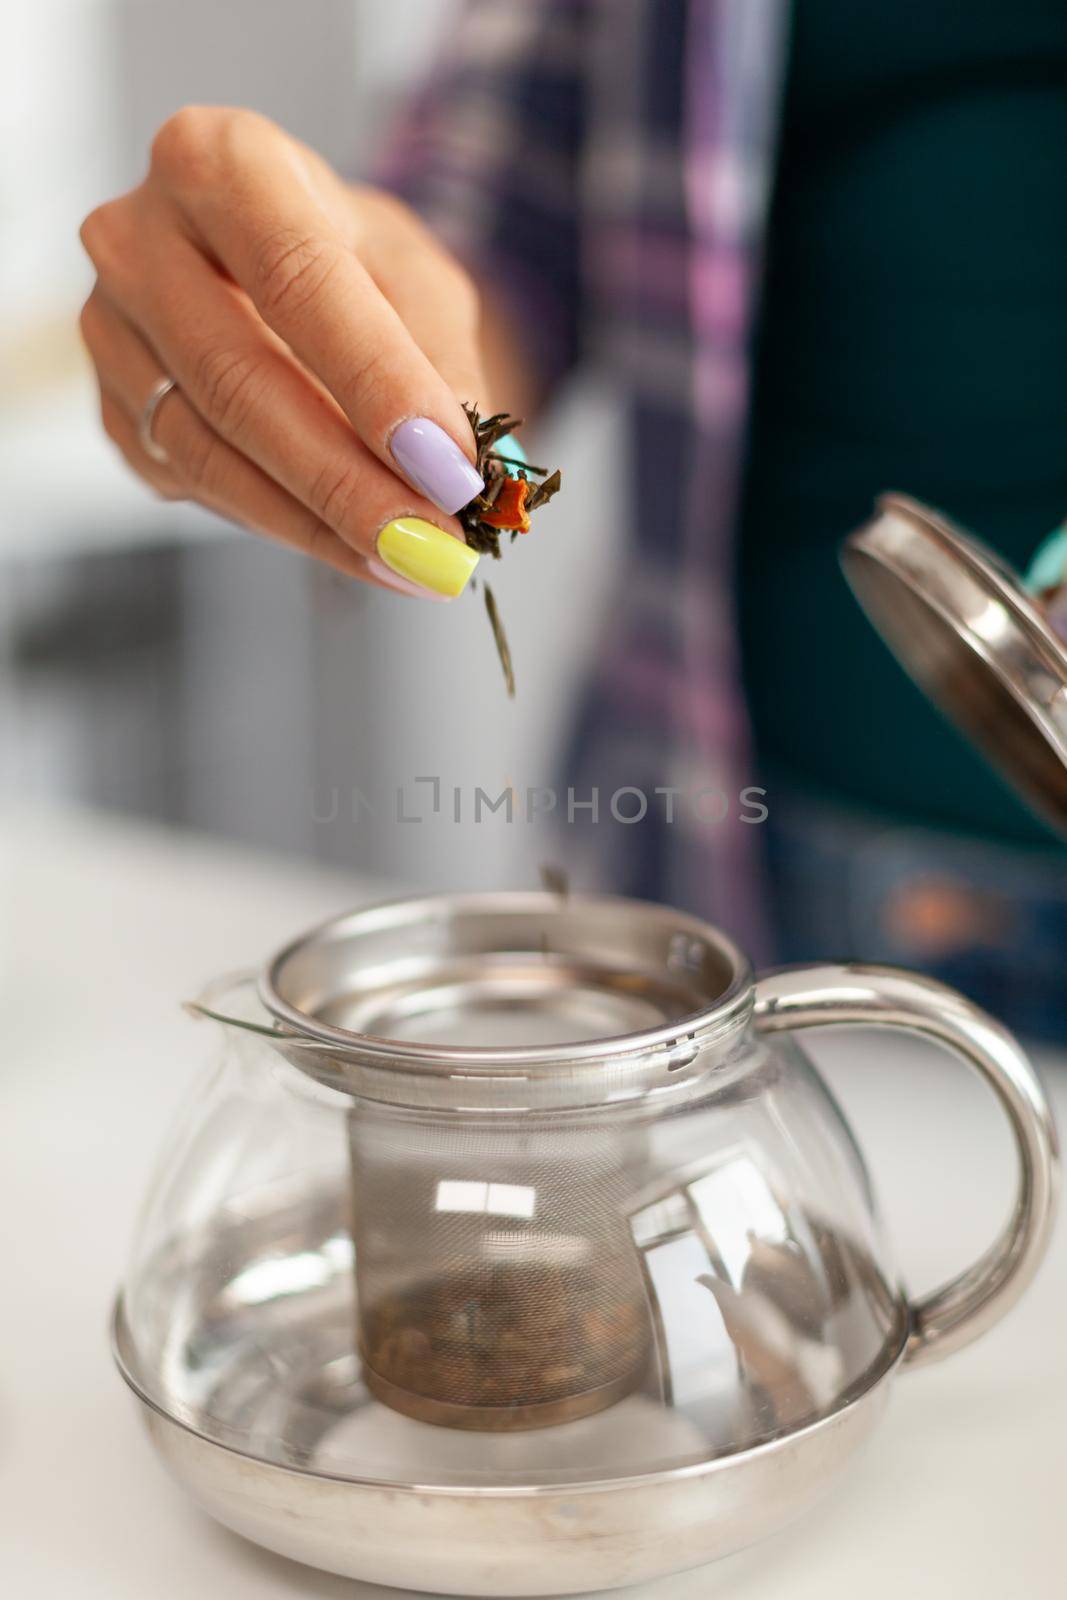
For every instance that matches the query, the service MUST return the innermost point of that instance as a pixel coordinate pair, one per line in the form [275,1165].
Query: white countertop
[104,928]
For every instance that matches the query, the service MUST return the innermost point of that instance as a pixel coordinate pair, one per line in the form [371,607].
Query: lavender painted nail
[435,464]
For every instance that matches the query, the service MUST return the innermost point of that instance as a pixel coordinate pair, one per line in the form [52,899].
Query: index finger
[260,214]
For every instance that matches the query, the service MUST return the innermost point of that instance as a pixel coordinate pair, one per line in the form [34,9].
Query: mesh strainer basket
[498,1282]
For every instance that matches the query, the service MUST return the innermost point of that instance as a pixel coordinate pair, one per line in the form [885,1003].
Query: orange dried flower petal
[508,511]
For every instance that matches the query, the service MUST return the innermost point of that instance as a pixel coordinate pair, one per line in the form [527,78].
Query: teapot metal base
[570,1538]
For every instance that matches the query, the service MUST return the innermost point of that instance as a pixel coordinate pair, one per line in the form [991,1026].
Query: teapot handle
[885,997]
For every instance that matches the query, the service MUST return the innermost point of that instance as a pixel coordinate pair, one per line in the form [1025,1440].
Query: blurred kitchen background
[156,662]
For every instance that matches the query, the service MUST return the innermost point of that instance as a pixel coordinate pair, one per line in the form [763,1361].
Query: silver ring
[158,393]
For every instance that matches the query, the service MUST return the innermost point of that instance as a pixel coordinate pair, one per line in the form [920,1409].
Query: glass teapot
[515,1247]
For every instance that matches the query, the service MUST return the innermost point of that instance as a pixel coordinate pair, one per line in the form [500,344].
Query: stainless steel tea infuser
[514,1246]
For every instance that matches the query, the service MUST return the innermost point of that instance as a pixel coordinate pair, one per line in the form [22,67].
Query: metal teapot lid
[960,622]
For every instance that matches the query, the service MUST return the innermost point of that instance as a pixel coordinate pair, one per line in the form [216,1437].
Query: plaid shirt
[639,135]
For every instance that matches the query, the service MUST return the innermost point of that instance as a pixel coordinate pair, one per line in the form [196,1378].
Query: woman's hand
[318,336]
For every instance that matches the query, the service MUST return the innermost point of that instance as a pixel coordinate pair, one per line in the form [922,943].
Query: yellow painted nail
[425,554]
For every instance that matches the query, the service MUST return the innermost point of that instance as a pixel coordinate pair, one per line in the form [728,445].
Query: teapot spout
[233,1001]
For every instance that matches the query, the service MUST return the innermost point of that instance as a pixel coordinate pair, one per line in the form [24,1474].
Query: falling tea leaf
[554,880]
[500,638]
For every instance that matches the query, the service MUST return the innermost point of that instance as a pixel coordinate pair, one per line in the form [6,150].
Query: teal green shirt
[913,336]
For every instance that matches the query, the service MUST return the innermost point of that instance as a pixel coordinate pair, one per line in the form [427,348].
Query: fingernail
[1049,566]
[395,585]
[426,555]
[435,464]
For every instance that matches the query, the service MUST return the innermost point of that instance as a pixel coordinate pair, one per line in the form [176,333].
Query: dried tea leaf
[531,1334]
[500,638]
[554,880]
[541,493]
[482,531]
[503,506]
